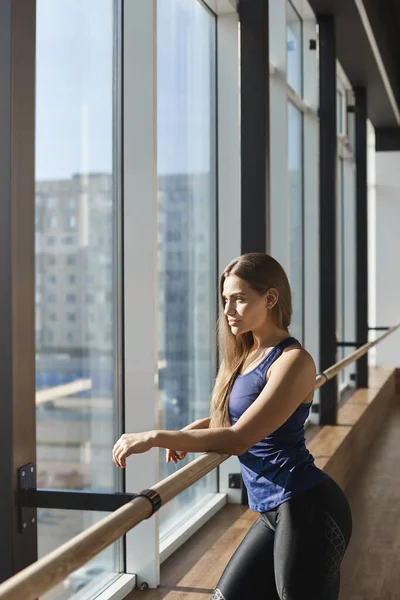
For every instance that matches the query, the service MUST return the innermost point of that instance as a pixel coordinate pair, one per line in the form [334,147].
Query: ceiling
[368,49]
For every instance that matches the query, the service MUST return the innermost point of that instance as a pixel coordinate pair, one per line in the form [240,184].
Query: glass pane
[340,274]
[76,266]
[295,169]
[57,527]
[339,111]
[294,50]
[187,231]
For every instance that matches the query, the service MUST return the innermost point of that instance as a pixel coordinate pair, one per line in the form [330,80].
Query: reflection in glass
[295,173]
[294,32]
[186,232]
[76,207]
[339,111]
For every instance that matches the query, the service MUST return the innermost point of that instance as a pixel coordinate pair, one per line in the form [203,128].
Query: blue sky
[74,87]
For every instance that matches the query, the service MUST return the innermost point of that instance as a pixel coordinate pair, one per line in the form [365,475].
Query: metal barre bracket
[322,374]
[30,498]
[154,498]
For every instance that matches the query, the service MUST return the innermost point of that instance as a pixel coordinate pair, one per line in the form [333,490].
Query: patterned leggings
[292,552]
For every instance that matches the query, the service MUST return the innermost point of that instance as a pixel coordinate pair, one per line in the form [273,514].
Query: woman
[261,399]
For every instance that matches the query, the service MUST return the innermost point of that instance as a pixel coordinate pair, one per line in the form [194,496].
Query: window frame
[281,93]
[345,230]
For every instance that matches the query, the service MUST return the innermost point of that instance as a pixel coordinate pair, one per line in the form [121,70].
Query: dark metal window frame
[17,267]
[328,167]
[254,103]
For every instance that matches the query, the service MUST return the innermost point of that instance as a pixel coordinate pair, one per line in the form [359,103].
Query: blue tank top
[278,467]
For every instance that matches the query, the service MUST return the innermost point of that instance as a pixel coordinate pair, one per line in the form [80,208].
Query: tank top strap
[275,353]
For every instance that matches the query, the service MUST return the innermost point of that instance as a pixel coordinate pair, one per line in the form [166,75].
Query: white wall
[386,295]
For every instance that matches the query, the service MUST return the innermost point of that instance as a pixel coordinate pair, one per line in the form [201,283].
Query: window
[51,240]
[187,229]
[77,87]
[295,171]
[52,222]
[71,222]
[339,110]
[294,50]
[345,228]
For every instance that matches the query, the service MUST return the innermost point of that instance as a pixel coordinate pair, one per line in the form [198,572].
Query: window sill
[181,534]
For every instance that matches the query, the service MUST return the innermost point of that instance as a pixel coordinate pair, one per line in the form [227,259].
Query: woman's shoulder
[296,355]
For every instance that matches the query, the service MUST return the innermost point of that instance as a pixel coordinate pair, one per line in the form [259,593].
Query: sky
[74,87]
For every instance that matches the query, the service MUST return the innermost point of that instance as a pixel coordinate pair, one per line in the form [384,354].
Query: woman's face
[244,308]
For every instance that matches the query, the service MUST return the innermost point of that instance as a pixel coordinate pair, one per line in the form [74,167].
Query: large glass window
[294,50]
[340,273]
[187,231]
[76,200]
[295,173]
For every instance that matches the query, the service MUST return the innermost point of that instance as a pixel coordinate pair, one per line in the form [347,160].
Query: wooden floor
[371,567]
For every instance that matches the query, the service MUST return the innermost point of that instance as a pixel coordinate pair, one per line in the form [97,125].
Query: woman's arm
[292,380]
[219,439]
[198,424]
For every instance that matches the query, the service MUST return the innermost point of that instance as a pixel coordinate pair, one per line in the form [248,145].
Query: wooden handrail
[345,362]
[44,574]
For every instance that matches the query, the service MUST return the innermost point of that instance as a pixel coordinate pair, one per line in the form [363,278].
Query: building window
[295,172]
[78,57]
[294,50]
[72,222]
[186,207]
[52,222]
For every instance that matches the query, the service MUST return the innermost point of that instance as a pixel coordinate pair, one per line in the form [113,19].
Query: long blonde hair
[261,272]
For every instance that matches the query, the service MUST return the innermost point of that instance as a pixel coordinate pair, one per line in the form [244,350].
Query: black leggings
[292,552]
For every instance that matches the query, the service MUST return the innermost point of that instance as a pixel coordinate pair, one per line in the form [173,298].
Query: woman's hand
[131,443]
[174,455]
